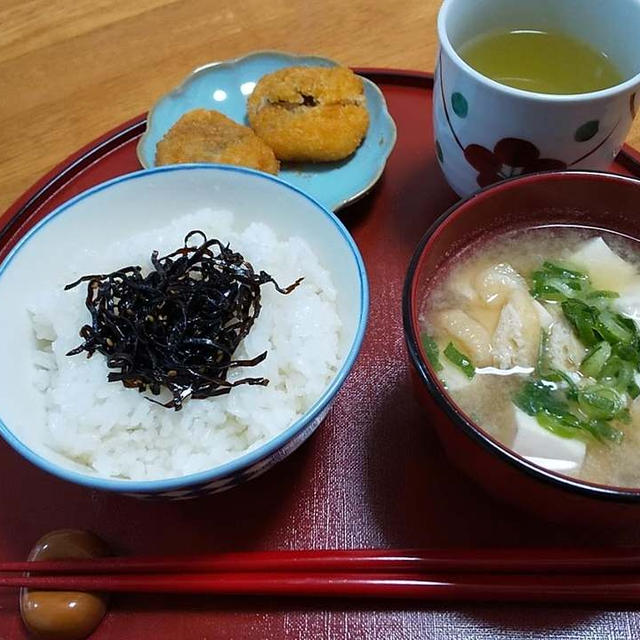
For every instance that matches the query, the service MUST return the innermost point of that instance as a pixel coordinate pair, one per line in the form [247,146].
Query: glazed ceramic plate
[224,86]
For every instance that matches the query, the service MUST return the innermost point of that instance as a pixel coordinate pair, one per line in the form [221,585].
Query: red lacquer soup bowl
[596,200]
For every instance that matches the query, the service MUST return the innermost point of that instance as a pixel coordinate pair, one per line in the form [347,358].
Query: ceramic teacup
[486,131]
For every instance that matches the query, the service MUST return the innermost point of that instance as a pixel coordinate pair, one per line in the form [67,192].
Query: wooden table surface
[72,69]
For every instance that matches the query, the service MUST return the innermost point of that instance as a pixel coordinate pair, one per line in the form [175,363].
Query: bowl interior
[132,204]
[578,18]
[579,198]
[602,201]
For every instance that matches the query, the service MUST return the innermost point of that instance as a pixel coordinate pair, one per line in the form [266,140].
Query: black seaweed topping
[178,326]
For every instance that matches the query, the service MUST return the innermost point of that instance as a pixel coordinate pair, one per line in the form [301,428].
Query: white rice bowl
[116,432]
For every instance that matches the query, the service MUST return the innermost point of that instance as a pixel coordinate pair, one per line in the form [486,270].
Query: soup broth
[541,61]
[535,334]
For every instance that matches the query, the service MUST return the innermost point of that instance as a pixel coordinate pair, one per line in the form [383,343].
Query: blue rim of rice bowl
[245,460]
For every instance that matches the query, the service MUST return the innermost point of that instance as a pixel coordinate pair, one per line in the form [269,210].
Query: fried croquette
[209,136]
[310,114]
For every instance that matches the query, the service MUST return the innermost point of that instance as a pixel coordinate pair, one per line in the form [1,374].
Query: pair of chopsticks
[526,575]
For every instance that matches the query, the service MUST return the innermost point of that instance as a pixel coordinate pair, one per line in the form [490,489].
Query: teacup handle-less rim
[609,26]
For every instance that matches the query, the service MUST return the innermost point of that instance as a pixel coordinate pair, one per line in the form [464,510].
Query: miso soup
[536,336]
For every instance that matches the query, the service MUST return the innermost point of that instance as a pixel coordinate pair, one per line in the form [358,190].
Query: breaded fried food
[310,114]
[209,136]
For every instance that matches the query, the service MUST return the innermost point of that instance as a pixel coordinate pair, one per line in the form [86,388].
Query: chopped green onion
[600,402]
[583,319]
[536,396]
[603,431]
[595,359]
[617,373]
[563,272]
[538,399]
[569,289]
[554,289]
[613,340]
[572,387]
[624,415]
[628,352]
[431,350]
[460,360]
[589,313]
[627,322]
[561,426]
[557,283]
[546,294]
[612,329]
[555,424]
[592,295]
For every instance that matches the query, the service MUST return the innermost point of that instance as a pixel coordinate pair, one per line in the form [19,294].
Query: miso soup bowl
[599,200]
[130,204]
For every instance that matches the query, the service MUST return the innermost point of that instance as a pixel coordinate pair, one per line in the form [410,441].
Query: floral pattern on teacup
[510,157]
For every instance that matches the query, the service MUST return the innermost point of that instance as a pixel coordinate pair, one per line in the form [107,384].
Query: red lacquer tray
[372,475]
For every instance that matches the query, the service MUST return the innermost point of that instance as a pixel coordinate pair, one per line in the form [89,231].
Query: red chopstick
[514,560]
[602,588]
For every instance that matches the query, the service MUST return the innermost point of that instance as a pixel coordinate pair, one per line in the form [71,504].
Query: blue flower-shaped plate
[224,86]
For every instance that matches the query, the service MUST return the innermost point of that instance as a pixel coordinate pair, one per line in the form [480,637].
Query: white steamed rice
[118,433]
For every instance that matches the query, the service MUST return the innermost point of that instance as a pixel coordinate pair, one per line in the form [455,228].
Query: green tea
[541,61]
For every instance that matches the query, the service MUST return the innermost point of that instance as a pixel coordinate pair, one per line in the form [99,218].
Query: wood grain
[72,69]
